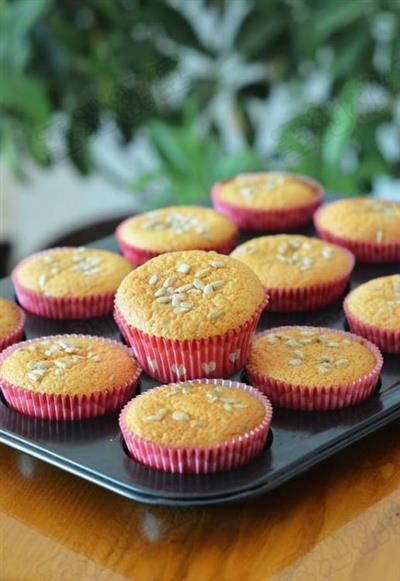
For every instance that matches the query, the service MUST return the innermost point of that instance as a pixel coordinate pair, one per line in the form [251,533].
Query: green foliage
[105,59]
[189,163]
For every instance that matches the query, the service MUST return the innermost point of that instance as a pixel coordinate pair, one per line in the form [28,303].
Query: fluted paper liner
[388,340]
[173,359]
[138,256]
[16,334]
[364,251]
[68,307]
[317,398]
[201,459]
[269,220]
[66,406]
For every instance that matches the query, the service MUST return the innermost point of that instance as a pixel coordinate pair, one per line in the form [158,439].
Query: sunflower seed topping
[163,300]
[153,279]
[42,280]
[228,407]
[169,281]
[295,362]
[327,252]
[184,268]
[341,362]
[217,264]
[202,273]
[271,338]
[157,417]
[180,416]
[198,284]
[215,315]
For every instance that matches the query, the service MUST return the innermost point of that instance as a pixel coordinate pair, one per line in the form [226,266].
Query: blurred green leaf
[24,96]
[341,126]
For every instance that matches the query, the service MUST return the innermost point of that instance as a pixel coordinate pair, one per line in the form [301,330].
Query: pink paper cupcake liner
[388,340]
[330,397]
[16,334]
[66,407]
[206,459]
[310,297]
[70,307]
[138,256]
[172,359]
[362,250]
[269,220]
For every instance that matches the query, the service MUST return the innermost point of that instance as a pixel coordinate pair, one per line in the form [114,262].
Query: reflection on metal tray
[93,449]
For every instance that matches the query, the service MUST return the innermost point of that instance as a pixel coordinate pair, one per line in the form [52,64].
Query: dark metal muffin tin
[93,449]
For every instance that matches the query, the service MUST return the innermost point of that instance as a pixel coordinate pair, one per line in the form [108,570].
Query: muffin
[197,426]
[12,320]
[313,368]
[175,228]
[268,201]
[68,377]
[373,311]
[69,283]
[190,314]
[299,273]
[370,228]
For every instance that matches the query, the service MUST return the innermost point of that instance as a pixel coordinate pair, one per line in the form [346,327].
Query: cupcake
[69,283]
[67,377]
[298,272]
[313,368]
[268,201]
[197,426]
[373,311]
[176,228]
[190,314]
[12,321]
[369,228]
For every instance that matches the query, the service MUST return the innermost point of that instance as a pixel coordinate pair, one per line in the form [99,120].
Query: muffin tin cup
[67,307]
[310,297]
[388,340]
[16,334]
[138,256]
[270,220]
[173,359]
[299,397]
[364,251]
[201,459]
[66,407]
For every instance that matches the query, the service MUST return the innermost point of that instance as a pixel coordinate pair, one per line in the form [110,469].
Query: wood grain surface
[340,521]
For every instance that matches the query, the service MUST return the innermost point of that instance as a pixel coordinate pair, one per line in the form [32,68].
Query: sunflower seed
[157,417]
[184,288]
[271,338]
[202,273]
[42,280]
[327,252]
[295,362]
[198,284]
[163,300]
[324,369]
[298,353]
[208,290]
[217,284]
[294,243]
[199,424]
[326,358]
[292,343]
[228,407]
[341,362]
[332,344]
[306,246]
[241,406]
[282,248]
[217,264]
[215,315]
[180,416]
[184,268]
[153,279]
[160,292]
[169,281]
[48,258]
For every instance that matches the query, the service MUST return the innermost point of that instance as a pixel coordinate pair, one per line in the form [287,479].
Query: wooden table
[339,521]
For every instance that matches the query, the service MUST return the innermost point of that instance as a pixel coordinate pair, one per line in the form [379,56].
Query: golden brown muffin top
[366,219]
[178,228]
[189,295]
[73,272]
[193,414]
[10,317]
[377,302]
[68,365]
[267,190]
[293,261]
[310,356]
